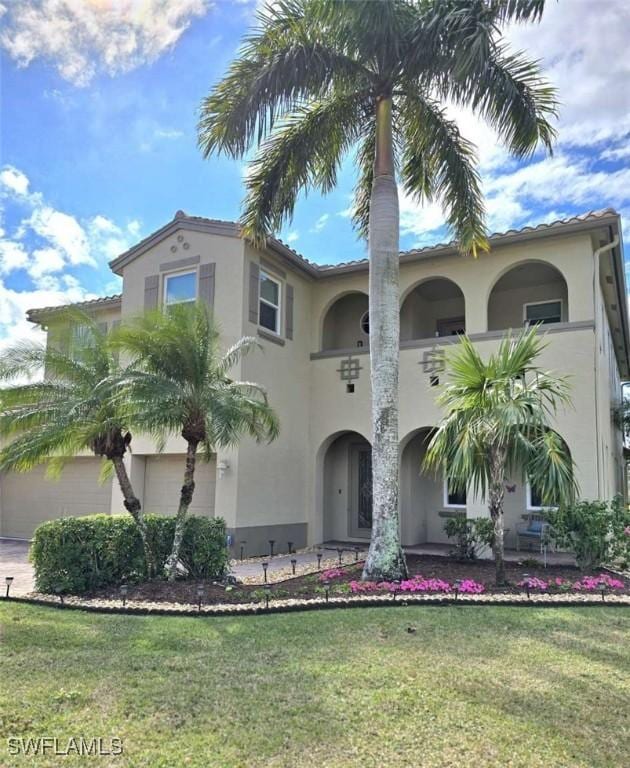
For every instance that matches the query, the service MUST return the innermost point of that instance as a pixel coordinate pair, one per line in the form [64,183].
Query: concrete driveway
[14,562]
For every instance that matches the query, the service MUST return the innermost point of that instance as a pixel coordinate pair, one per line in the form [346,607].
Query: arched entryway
[424,503]
[435,307]
[347,487]
[530,292]
[346,323]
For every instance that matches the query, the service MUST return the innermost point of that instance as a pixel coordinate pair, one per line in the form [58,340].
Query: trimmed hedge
[80,554]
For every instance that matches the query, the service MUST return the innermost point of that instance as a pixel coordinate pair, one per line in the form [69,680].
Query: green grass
[490,686]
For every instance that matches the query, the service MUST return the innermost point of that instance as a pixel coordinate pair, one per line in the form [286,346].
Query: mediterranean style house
[313,483]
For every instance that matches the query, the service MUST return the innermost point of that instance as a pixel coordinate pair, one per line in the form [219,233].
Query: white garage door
[28,499]
[163,479]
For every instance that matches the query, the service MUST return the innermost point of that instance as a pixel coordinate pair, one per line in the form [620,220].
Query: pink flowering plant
[331,574]
[416,584]
[583,584]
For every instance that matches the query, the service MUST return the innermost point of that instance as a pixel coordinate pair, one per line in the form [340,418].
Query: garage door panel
[163,477]
[30,498]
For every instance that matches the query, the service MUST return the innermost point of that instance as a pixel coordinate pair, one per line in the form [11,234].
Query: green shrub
[468,534]
[596,531]
[80,554]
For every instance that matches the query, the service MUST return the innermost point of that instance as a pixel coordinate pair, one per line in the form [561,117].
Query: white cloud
[14,180]
[292,237]
[84,37]
[320,223]
[48,241]
[168,133]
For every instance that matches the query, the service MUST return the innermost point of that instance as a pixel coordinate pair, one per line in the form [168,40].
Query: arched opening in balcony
[435,307]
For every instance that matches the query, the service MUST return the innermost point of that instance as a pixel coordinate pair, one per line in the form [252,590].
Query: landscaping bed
[428,574]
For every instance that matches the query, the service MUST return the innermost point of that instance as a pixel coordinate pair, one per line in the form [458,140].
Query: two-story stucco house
[313,483]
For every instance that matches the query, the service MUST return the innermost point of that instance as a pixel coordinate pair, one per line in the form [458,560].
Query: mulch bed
[309,586]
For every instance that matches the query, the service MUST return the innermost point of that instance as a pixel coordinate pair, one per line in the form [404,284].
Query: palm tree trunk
[385,559]
[133,506]
[495,499]
[188,488]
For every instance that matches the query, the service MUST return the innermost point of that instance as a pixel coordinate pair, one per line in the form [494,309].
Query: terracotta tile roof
[451,245]
[100,302]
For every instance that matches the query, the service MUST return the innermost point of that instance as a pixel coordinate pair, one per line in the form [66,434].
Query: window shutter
[289,313]
[151,289]
[254,288]
[206,283]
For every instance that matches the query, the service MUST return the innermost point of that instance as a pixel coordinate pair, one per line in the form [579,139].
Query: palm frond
[439,162]
[305,150]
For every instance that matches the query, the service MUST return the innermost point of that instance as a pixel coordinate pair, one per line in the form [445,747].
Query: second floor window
[180,288]
[544,312]
[269,303]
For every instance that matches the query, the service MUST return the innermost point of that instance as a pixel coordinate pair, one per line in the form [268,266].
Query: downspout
[596,254]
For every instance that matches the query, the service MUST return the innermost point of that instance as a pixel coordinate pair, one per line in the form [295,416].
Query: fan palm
[70,410]
[320,78]
[178,382]
[498,425]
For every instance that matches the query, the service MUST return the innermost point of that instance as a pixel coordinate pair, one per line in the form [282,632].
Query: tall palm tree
[321,78]
[70,409]
[178,382]
[498,425]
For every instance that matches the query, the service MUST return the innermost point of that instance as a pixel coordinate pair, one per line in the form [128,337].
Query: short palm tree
[321,78]
[70,409]
[178,381]
[498,426]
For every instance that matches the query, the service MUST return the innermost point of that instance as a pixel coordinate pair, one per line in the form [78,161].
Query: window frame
[179,273]
[447,503]
[361,328]
[538,303]
[528,501]
[266,275]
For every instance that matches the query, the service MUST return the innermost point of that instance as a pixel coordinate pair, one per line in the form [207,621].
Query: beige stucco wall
[273,478]
[285,482]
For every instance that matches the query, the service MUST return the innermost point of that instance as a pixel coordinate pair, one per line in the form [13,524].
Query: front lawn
[467,686]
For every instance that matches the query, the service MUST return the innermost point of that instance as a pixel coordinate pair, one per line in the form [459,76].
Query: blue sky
[98,148]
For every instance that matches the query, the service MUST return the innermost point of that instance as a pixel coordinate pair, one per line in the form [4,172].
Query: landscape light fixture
[395,588]
[526,580]
[271,543]
[290,543]
[59,593]
[8,580]
[457,584]
[326,588]
[319,561]
[340,552]
[293,564]
[124,590]
[199,595]
[265,565]
[267,594]
[242,549]
[602,589]
[356,554]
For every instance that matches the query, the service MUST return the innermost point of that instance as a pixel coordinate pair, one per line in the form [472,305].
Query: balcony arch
[530,291]
[342,326]
[433,307]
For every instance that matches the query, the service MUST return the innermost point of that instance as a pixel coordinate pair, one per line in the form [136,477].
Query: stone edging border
[140,608]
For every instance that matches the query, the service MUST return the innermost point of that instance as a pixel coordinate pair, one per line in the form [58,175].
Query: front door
[360,523]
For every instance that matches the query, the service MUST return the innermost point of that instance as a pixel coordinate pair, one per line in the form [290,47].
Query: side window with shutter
[151,291]
[254,287]
[288,320]
[206,283]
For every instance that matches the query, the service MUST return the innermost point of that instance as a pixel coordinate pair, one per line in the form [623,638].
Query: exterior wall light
[223,466]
